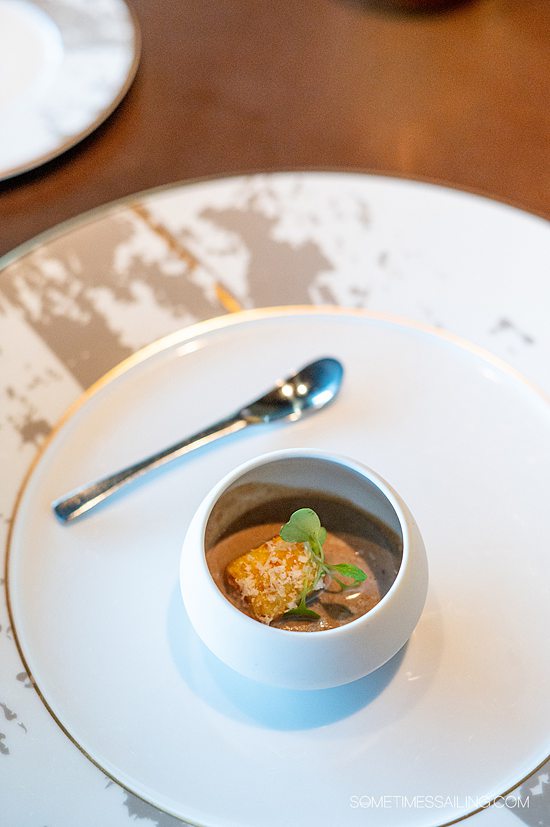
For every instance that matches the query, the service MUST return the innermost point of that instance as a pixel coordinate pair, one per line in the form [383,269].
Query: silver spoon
[313,387]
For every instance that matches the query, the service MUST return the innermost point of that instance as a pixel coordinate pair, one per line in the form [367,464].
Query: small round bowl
[294,659]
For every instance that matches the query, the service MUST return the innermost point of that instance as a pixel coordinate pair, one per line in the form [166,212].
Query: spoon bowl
[313,387]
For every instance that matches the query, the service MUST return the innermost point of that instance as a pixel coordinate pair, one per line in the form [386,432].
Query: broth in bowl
[252,565]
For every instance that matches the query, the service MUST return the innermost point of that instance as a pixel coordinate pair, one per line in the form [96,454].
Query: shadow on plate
[246,700]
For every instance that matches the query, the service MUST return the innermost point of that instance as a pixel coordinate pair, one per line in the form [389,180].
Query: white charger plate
[99,622]
[64,67]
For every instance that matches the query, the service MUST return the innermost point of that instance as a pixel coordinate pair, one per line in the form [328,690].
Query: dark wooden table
[460,96]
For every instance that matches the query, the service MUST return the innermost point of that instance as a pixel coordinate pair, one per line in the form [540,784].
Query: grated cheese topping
[270,579]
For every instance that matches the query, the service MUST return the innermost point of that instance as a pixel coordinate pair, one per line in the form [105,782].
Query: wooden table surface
[460,96]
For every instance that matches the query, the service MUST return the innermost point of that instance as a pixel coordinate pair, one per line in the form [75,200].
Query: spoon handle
[83,499]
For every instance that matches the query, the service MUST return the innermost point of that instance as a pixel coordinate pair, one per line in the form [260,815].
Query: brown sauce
[354,537]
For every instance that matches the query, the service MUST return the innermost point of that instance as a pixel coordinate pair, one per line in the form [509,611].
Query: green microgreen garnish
[305,526]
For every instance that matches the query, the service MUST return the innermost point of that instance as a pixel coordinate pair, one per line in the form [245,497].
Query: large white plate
[95,605]
[64,67]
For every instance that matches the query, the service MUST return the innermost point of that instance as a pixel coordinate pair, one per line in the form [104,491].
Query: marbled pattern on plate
[73,307]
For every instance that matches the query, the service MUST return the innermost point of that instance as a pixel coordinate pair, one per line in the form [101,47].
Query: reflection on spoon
[308,390]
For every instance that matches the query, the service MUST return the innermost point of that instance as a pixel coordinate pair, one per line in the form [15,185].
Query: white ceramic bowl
[291,659]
